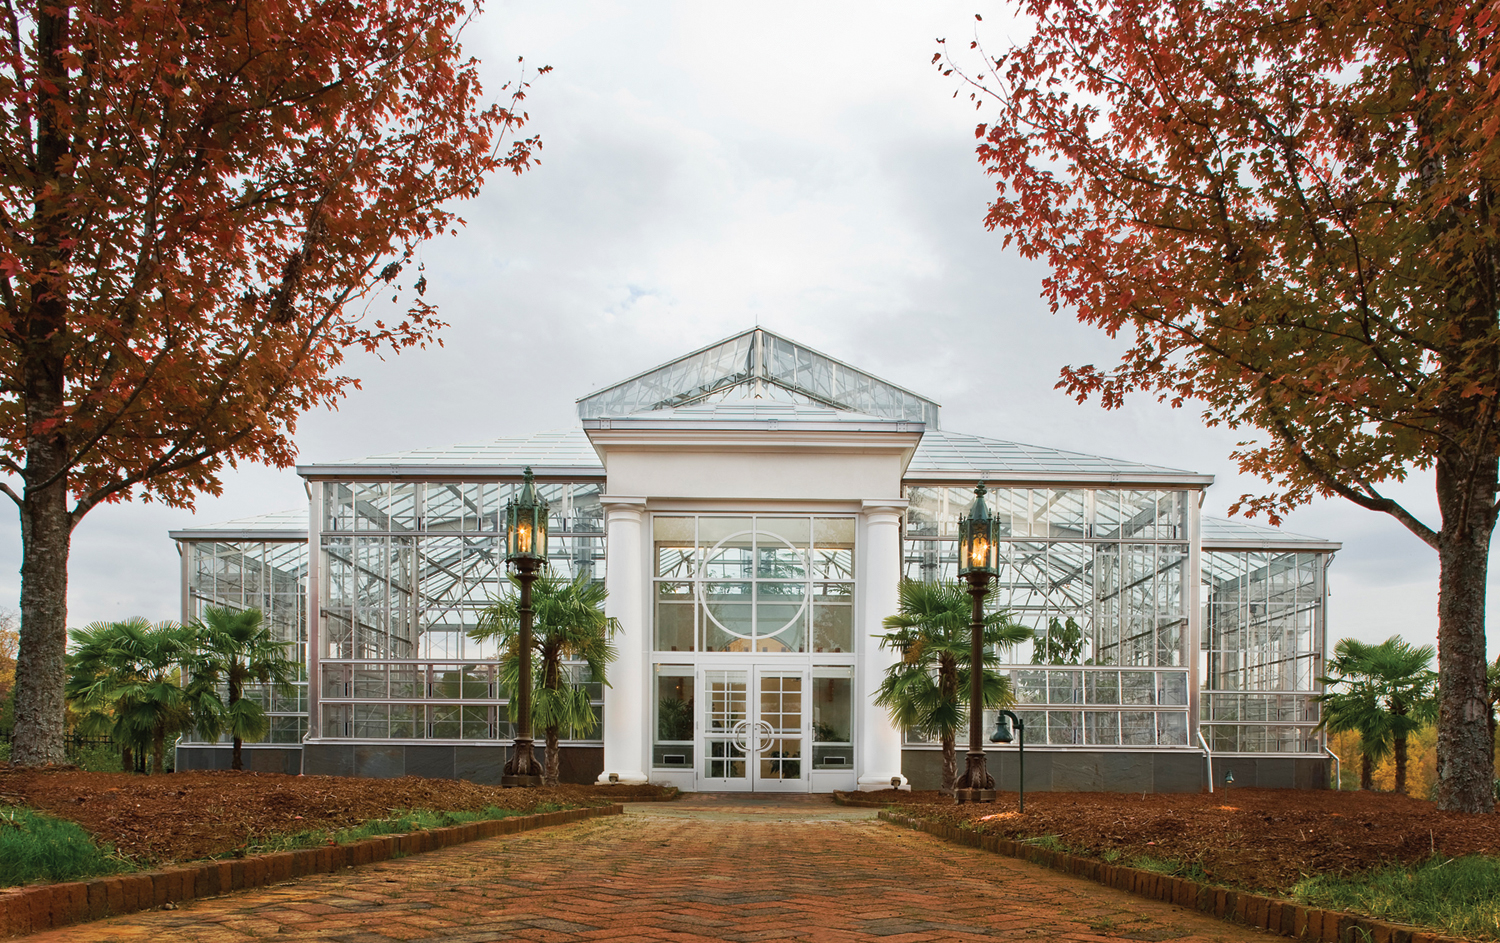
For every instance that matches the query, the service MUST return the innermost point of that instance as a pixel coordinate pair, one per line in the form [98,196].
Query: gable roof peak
[758,364]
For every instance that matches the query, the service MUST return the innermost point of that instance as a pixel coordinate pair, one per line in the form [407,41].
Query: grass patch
[1175,867]
[37,847]
[1049,842]
[1460,896]
[414,820]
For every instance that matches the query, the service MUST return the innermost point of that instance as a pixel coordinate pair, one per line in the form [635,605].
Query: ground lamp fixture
[977,566]
[1003,734]
[526,553]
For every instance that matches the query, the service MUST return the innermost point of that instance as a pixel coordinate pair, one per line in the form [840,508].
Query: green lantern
[976,539]
[526,527]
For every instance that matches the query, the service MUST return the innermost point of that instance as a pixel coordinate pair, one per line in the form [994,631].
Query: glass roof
[290,524]
[561,451]
[762,411]
[944,455]
[1220,533]
[759,363]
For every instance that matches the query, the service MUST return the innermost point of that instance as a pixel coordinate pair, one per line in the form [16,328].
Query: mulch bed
[1264,839]
[190,815]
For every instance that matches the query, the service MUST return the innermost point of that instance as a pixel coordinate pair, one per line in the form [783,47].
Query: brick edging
[1263,913]
[841,798]
[26,910]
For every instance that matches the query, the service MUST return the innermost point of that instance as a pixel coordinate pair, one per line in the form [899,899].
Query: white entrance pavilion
[752,507]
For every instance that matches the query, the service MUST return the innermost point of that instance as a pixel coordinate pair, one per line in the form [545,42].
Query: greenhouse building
[751,508]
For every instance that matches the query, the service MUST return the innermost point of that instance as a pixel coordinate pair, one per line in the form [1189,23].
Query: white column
[625,715]
[880,740]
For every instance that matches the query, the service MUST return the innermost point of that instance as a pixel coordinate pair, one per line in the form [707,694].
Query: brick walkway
[701,871]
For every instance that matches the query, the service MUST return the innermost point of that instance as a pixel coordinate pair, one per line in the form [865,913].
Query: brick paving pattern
[740,871]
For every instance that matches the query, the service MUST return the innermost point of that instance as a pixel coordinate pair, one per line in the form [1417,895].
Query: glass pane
[1171,728]
[674,617]
[674,538]
[833,548]
[833,617]
[1138,728]
[1137,687]
[728,617]
[1101,728]
[726,716]
[728,546]
[1172,689]
[1064,687]
[833,718]
[1064,727]
[1103,687]
[781,613]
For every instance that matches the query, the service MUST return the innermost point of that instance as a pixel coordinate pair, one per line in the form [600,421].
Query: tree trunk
[127,760]
[46,525]
[236,756]
[1465,758]
[950,763]
[948,685]
[158,747]
[1366,772]
[553,767]
[1400,752]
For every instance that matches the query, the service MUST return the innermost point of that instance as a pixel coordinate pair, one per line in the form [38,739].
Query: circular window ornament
[757,538]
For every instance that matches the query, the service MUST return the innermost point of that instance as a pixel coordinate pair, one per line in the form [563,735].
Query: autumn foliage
[1288,213]
[201,202]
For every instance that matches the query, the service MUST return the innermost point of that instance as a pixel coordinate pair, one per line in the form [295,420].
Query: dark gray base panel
[258,759]
[479,764]
[1100,771]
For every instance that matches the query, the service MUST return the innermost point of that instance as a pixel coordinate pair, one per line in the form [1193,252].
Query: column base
[962,796]
[621,779]
[875,782]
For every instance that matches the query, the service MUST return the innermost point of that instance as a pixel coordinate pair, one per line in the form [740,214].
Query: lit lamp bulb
[523,539]
[979,552]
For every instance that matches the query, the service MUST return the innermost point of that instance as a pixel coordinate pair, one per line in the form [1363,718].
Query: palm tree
[123,679]
[1386,693]
[568,622]
[233,649]
[931,631]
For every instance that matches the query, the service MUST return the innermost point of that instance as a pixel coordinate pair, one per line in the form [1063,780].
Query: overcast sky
[707,168]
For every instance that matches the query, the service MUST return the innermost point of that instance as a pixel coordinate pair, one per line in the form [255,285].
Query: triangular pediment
[758,364]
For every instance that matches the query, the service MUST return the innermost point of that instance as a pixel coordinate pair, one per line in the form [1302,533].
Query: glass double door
[754,728]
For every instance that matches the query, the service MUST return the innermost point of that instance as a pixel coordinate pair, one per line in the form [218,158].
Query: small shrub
[36,847]
[95,757]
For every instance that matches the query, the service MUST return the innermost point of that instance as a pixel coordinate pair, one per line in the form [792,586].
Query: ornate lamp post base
[976,784]
[522,769]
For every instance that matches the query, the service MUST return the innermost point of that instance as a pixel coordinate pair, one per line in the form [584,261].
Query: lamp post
[526,553]
[977,565]
[1002,734]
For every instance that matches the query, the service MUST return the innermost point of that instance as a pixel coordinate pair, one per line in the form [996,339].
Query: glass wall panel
[833,718]
[771,584]
[1098,575]
[270,576]
[1263,650]
[407,568]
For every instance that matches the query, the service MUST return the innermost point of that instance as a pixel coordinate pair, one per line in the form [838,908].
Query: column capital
[623,504]
[883,510]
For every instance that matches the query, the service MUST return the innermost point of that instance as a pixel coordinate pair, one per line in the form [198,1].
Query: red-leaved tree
[1289,209]
[198,201]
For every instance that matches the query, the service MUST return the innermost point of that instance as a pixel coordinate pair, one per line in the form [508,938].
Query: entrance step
[752,807]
